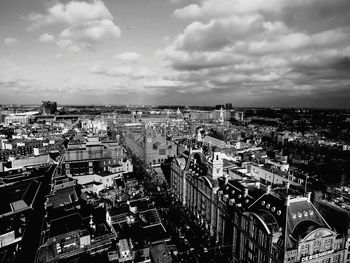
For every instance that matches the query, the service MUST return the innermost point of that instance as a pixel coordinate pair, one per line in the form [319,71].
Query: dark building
[48,107]
[228,106]
[16,207]
[73,230]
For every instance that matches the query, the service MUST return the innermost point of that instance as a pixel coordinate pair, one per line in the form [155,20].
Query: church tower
[218,164]
[221,119]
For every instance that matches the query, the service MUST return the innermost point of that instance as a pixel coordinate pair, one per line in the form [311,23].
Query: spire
[221,119]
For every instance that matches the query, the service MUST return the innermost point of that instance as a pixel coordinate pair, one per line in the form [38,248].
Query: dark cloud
[317,16]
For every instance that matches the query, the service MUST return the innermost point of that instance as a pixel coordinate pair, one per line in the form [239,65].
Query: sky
[251,53]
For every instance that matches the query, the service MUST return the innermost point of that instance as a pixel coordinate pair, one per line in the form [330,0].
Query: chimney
[245,192]
[225,179]
[268,189]
[288,200]
[288,185]
[309,197]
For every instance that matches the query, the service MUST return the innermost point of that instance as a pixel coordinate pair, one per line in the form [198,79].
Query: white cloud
[190,11]
[218,32]
[281,43]
[182,60]
[128,56]
[64,43]
[71,13]
[74,48]
[224,8]
[92,31]
[46,38]
[83,24]
[9,41]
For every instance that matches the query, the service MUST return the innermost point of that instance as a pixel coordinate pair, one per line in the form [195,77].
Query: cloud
[128,72]
[190,11]
[46,38]
[181,60]
[92,31]
[217,33]
[83,24]
[71,13]
[262,49]
[128,56]
[10,41]
[64,43]
[17,83]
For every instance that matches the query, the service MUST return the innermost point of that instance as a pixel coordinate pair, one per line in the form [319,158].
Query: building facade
[150,144]
[252,221]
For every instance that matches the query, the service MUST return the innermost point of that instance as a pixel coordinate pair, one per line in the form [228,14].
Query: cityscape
[175,131]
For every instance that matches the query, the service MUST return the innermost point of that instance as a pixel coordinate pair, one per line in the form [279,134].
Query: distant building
[207,115]
[238,115]
[21,118]
[228,106]
[92,157]
[48,107]
[150,144]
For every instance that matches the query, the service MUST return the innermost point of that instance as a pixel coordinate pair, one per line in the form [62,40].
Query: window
[336,258]
[317,245]
[327,242]
[304,250]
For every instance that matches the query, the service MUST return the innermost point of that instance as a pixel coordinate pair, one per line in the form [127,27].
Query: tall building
[48,107]
[228,106]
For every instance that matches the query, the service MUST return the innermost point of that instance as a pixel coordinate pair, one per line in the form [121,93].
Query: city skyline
[249,53]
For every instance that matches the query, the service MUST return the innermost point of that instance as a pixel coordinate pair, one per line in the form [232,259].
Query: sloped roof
[302,217]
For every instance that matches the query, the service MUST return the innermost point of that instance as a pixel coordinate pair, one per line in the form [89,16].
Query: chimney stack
[268,189]
[288,200]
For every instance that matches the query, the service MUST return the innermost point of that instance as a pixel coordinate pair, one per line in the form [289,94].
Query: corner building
[251,221]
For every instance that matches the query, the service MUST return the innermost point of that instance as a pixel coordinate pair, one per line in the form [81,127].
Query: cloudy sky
[247,52]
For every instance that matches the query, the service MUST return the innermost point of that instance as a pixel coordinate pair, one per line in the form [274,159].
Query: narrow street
[194,244]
